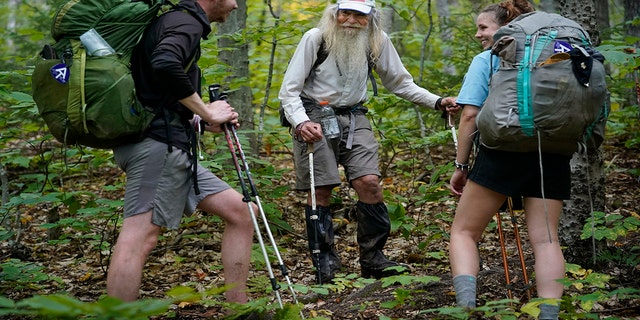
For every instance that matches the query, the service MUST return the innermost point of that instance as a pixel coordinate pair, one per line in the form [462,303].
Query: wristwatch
[461,166]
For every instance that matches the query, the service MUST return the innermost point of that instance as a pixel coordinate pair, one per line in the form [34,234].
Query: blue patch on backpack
[561,46]
[60,72]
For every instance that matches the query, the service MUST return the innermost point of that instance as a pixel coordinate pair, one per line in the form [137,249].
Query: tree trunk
[236,55]
[392,22]
[446,33]
[548,6]
[632,11]
[602,18]
[587,173]
[583,12]
[10,24]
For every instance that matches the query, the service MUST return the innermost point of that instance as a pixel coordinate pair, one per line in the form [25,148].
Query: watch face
[461,166]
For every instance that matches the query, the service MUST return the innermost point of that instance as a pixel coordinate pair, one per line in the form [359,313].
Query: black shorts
[518,173]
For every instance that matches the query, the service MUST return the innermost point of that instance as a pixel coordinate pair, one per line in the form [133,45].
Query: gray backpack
[549,93]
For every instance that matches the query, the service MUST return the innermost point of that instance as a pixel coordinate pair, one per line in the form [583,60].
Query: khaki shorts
[360,160]
[162,181]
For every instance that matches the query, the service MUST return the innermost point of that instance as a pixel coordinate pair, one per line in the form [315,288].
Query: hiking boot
[381,271]
[328,267]
[321,245]
[373,231]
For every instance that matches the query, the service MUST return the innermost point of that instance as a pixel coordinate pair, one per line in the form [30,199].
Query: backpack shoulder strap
[371,65]
[321,55]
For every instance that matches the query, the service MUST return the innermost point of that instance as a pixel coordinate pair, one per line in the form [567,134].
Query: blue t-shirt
[475,86]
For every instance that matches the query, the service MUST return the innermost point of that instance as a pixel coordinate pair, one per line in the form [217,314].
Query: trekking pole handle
[214,95]
[214,92]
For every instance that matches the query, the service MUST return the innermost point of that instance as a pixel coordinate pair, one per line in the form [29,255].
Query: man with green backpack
[161,169]
[145,114]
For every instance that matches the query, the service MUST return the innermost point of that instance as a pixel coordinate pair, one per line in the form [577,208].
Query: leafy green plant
[16,275]
[623,123]
[341,283]
[624,256]
[593,288]
[625,60]
[402,295]
[61,306]
[609,226]
[501,309]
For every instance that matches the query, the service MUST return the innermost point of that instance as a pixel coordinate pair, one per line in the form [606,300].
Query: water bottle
[328,120]
[94,43]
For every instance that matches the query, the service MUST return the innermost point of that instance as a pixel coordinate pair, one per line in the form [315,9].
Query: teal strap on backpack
[524,94]
[542,42]
[533,47]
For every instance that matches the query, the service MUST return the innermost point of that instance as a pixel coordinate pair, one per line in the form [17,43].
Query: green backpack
[549,93]
[91,100]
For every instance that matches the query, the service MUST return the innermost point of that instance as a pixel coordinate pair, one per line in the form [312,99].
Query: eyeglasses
[352,13]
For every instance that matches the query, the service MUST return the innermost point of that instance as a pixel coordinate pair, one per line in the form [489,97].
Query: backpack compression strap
[533,47]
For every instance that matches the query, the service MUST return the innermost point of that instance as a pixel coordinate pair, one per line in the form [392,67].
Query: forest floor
[191,257]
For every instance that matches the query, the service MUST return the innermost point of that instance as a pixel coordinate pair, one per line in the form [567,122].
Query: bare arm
[466,133]
[214,113]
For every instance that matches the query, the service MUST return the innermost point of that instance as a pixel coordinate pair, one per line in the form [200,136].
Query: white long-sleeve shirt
[328,83]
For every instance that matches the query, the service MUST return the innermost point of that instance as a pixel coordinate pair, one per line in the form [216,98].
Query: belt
[352,111]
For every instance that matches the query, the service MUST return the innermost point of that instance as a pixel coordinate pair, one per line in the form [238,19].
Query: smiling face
[352,20]
[487,27]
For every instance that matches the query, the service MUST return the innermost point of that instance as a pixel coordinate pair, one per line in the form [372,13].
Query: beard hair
[351,50]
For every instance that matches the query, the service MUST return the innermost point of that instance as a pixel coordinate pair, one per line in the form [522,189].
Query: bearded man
[351,35]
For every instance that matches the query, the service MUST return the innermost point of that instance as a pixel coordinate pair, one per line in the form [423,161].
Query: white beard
[351,51]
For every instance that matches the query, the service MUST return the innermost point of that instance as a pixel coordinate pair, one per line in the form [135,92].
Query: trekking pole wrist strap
[461,166]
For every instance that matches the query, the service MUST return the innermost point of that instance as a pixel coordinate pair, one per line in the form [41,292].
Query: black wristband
[438,105]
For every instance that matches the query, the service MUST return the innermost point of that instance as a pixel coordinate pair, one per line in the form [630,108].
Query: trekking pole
[213,96]
[247,198]
[505,265]
[314,213]
[254,193]
[453,132]
[516,233]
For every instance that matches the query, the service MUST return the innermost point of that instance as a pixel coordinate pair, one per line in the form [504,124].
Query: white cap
[363,6]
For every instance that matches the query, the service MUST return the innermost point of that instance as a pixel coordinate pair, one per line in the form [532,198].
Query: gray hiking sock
[549,312]
[465,287]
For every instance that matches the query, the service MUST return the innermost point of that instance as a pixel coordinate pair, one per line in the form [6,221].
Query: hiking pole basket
[249,190]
